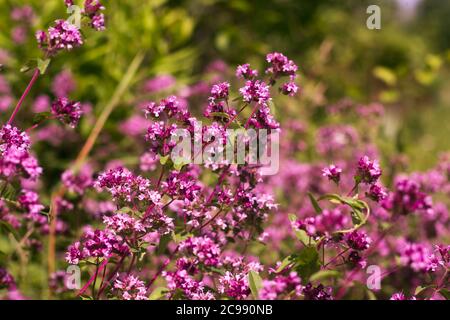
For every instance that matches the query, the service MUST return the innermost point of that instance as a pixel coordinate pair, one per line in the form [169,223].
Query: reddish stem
[86,286]
[24,95]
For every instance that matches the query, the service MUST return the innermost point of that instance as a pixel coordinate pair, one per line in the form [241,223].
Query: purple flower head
[317,293]
[203,248]
[234,285]
[123,185]
[62,35]
[358,240]
[182,280]
[281,284]
[69,112]
[244,71]
[335,138]
[96,244]
[356,260]
[180,185]
[418,257]
[401,296]
[377,193]
[29,201]
[23,14]
[170,105]
[130,287]
[63,84]
[408,198]
[15,159]
[92,6]
[256,90]
[368,171]
[289,88]
[98,22]
[19,34]
[333,173]
[41,103]
[263,119]
[6,280]
[220,91]
[78,183]
[159,83]
[280,65]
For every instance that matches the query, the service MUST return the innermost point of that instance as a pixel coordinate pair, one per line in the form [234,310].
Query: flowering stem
[251,116]
[24,95]
[92,279]
[163,267]
[89,144]
[210,220]
[377,242]
[111,275]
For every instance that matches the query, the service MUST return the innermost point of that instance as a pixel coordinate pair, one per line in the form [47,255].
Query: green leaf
[163,159]
[42,65]
[163,242]
[255,283]
[357,217]
[304,238]
[307,262]
[314,203]
[357,206]
[324,274]
[2,257]
[371,295]
[292,217]
[285,263]
[158,293]
[420,289]
[445,293]
[5,226]
[31,64]
[7,191]
[40,117]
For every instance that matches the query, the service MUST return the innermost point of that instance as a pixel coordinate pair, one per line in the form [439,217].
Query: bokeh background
[404,66]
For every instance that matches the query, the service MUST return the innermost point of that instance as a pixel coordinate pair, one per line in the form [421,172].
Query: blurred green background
[405,65]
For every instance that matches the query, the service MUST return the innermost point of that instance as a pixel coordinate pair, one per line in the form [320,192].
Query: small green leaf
[9,229]
[8,191]
[314,203]
[158,293]
[357,217]
[307,262]
[285,263]
[255,283]
[163,159]
[371,295]
[31,64]
[42,65]
[292,217]
[324,274]
[420,289]
[163,242]
[304,238]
